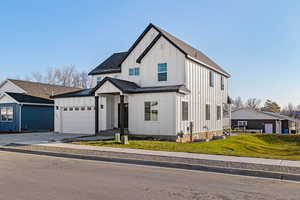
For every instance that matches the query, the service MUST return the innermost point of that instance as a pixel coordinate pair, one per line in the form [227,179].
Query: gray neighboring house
[266,122]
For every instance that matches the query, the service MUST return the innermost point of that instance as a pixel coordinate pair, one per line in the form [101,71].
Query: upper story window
[151,111]
[222,82]
[162,72]
[99,79]
[211,78]
[7,114]
[134,71]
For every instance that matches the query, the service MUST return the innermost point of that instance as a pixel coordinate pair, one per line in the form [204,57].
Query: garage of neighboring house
[25,113]
[260,121]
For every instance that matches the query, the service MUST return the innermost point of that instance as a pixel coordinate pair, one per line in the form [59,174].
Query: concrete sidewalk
[256,167]
[261,161]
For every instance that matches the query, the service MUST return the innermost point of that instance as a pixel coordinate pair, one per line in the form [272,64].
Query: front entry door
[125,115]
[268,128]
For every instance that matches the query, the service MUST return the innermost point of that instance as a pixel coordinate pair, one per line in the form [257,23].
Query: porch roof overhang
[113,85]
[117,86]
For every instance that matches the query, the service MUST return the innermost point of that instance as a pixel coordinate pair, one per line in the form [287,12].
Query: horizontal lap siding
[14,125]
[37,118]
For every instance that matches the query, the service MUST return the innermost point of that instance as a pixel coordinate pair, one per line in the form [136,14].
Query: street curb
[176,165]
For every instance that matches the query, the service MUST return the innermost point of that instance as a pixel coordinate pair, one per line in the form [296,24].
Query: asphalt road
[30,177]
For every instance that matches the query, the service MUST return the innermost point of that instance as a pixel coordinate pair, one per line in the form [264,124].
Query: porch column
[96,114]
[122,115]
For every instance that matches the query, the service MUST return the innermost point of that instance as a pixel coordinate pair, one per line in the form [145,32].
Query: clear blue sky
[256,41]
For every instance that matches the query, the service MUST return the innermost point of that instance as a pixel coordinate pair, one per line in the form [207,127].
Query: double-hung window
[162,72]
[134,71]
[7,114]
[151,111]
[211,78]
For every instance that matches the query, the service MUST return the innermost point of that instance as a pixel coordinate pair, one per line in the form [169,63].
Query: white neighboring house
[165,83]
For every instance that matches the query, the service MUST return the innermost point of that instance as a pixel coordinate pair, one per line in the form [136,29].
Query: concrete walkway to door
[35,138]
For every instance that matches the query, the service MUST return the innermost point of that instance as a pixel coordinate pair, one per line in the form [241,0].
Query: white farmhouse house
[161,85]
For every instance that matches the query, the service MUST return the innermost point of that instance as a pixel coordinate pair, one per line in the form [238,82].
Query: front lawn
[252,145]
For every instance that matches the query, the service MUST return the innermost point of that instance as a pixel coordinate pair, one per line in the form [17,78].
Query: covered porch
[111,110]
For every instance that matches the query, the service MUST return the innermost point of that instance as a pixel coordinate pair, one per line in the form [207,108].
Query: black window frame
[211,78]
[162,75]
[151,114]
[184,111]
[207,112]
[222,83]
[219,112]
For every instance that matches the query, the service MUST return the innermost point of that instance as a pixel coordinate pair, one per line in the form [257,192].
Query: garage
[75,115]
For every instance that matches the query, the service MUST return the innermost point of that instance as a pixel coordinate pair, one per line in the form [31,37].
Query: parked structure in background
[250,120]
[166,88]
[26,106]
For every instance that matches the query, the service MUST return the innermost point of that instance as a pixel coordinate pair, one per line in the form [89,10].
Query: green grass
[251,145]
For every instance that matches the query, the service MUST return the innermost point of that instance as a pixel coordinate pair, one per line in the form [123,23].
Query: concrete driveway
[35,138]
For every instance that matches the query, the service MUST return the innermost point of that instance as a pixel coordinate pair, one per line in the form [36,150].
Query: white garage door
[78,121]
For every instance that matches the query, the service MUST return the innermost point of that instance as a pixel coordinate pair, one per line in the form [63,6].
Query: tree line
[268,106]
[66,76]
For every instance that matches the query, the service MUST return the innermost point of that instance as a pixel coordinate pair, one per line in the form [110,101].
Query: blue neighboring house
[26,106]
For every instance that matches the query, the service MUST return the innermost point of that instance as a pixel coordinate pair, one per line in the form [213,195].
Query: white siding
[113,75]
[6,99]
[10,87]
[166,114]
[197,81]
[162,52]
[81,122]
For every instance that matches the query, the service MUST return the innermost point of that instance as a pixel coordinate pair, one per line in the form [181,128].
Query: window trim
[211,78]
[219,112]
[134,71]
[99,79]
[151,118]
[162,72]
[183,112]
[207,112]
[6,114]
[222,83]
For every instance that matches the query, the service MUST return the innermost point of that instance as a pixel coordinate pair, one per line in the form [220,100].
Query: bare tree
[238,103]
[66,76]
[37,76]
[253,103]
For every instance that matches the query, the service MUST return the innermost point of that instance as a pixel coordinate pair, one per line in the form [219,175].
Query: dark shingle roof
[126,87]
[80,93]
[24,98]
[110,65]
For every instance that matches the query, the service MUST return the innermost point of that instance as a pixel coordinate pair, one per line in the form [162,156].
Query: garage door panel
[81,122]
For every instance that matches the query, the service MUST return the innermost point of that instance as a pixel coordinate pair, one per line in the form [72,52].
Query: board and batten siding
[197,81]
[81,122]
[166,123]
